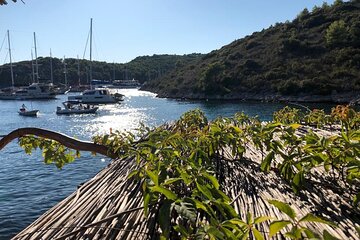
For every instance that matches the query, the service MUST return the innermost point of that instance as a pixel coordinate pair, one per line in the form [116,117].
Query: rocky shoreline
[338,98]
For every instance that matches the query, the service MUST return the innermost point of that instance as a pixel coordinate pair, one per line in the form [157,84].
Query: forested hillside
[141,68]
[316,57]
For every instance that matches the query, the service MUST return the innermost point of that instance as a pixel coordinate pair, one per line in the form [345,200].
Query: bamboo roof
[110,206]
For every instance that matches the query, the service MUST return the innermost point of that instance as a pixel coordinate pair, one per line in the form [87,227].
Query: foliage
[52,151]
[337,34]
[181,168]
[297,231]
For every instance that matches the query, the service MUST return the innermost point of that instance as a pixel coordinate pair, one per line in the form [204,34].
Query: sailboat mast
[91,50]
[51,69]
[78,68]
[113,71]
[11,66]
[36,63]
[65,73]
[32,67]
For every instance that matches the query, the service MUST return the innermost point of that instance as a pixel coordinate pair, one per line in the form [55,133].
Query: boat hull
[76,111]
[32,113]
[92,100]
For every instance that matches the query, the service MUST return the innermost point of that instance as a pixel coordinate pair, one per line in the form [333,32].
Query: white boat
[125,84]
[97,96]
[76,107]
[32,92]
[27,113]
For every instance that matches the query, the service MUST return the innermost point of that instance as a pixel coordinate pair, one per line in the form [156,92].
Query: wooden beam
[61,138]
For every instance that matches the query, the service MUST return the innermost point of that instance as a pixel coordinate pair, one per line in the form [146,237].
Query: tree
[338,2]
[303,14]
[337,34]
[355,33]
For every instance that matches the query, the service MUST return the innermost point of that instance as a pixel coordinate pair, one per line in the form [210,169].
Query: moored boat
[76,107]
[35,91]
[97,96]
[125,84]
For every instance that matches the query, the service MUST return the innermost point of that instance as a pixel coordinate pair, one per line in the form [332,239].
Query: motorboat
[34,91]
[97,96]
[76,107]
[125,84]
[27,113]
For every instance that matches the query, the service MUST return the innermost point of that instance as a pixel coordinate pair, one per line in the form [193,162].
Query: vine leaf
[276,226]
[283,207]
[265,165]
[328,236]
[312,218]
[164,219]
[167,193]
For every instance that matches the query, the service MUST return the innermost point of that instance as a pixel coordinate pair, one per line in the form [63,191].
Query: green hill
[316,57]
[141,68]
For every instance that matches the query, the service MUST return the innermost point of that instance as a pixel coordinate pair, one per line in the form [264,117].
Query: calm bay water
[28,187]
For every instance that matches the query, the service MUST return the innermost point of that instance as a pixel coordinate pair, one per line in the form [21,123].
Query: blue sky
[124,30]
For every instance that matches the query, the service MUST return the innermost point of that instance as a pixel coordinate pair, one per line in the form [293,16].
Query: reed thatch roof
[110,206]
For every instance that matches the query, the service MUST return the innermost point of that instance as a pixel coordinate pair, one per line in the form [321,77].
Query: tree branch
[61,138]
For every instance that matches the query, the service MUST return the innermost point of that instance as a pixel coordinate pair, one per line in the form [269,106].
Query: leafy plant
[297,230]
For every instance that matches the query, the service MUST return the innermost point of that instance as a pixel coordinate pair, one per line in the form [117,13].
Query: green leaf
[212,179]
[164,218]
[261,219]
[204,190]
[257,234]
[357,230]
[186,210]
[132,173]
[308,233]
[276,226]
[312,218]
[147,198]
[182,230]
[265,165]
[328,236]
[171,180]
[356,200]
[215,232]
[295,125]
[284,207]
[249,218]
[168,194]
[199,205]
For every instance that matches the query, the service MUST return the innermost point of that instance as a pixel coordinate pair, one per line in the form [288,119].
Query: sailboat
[7,93]
[96,96]
[35,91]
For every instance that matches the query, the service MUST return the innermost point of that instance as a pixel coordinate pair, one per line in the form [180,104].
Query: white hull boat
[75,107]
[35,91]
[97,96]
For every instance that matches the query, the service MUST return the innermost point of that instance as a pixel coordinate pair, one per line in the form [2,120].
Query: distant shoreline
[336,98]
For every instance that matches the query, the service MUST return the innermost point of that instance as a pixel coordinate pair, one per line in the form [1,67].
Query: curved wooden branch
[61,138]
